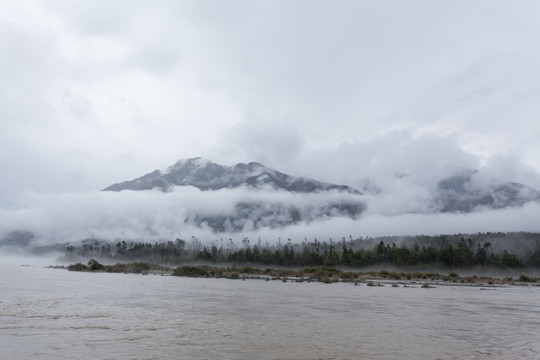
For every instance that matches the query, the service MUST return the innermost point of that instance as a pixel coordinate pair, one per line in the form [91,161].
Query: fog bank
[156,216]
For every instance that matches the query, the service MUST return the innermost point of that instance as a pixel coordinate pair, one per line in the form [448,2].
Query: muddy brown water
[55,314]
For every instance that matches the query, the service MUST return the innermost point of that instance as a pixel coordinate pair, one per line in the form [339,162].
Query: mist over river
[55,314]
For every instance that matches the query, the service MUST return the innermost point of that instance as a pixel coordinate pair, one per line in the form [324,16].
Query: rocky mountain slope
[206,175]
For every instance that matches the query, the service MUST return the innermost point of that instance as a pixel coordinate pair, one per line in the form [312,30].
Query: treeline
[331,254]
[455,251]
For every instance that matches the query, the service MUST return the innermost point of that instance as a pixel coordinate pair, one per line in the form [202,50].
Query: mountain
[464,193]
[300,199]
[306,200]
[206,175]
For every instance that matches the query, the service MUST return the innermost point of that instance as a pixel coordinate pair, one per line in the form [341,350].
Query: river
[55,314]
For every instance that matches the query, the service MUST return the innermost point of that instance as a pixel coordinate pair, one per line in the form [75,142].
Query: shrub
[248,270]
[140,267]
[285,272]
[348,275]
[117,268]
[191,271]
[94,265]
[77,267]
[526,278]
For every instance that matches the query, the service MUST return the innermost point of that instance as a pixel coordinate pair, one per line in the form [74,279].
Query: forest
[505,250]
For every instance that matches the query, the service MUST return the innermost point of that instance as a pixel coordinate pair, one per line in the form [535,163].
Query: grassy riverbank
[309,274]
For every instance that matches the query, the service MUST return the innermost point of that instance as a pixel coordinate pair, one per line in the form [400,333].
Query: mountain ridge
[255,212]
[206,175]
[466,191]
[460,193]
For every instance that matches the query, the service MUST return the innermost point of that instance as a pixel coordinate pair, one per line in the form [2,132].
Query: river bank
[323,274]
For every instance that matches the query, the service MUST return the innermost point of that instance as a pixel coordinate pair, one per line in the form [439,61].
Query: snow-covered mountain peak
[193,164]
[206,175]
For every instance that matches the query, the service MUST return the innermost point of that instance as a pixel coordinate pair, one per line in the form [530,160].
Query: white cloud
[397,159]
[149,215]
[155,216]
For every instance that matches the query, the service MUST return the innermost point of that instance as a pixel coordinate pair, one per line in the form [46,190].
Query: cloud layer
[156,216]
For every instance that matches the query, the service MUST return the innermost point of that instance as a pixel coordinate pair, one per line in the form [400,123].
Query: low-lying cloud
[156,216]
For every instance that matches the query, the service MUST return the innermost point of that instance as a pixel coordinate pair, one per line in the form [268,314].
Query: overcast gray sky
[97,92]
